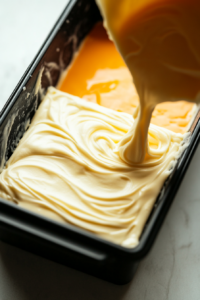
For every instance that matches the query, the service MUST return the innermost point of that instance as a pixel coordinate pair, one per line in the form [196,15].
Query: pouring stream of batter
[159,43]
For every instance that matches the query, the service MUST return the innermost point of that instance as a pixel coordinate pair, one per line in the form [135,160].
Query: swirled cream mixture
[67,166]
[100,168]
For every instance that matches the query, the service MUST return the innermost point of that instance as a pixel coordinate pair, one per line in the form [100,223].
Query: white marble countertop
[172,268]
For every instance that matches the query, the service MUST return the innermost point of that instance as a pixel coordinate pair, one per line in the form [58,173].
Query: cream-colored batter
[67,166]
[92,166]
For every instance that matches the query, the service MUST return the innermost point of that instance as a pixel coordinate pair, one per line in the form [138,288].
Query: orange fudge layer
[99,74]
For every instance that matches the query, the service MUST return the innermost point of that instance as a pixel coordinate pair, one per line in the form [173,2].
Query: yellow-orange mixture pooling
[99,74]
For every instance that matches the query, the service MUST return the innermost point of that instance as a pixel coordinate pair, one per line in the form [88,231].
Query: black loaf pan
[67,244]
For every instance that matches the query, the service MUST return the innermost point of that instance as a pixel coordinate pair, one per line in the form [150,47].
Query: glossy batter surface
[77,162]
[99,74]
[67,166]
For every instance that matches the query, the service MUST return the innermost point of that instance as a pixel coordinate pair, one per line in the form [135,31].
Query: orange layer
[99,74]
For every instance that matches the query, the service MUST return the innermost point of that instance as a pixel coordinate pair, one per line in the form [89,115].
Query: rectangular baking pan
[67,244]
